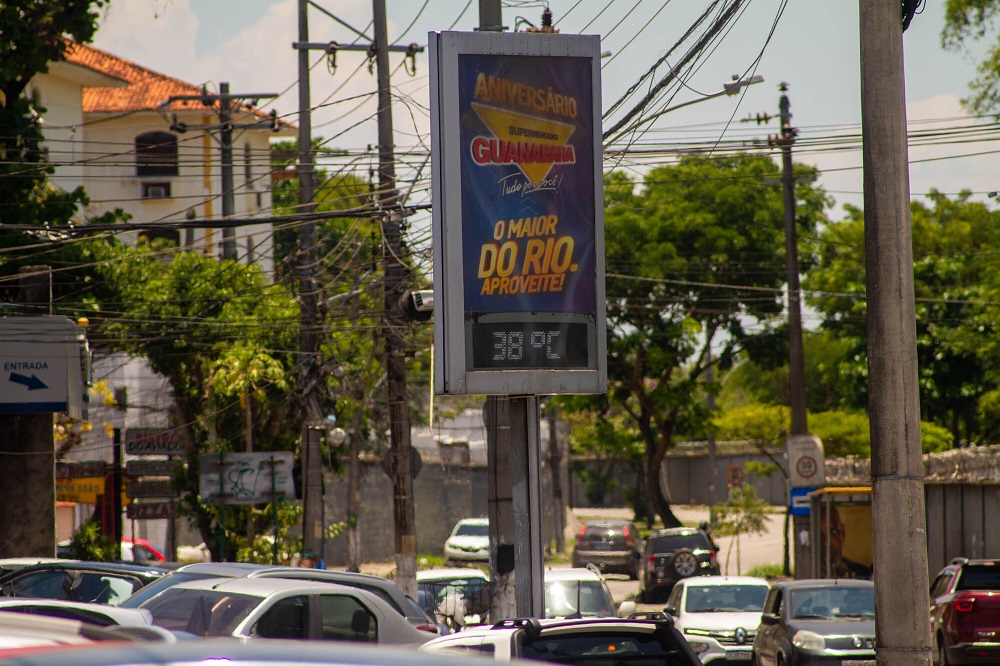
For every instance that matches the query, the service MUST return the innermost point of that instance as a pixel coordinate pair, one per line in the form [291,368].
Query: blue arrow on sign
[31,382]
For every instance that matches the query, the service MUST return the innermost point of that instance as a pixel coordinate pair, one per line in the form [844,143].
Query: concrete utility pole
[226,151]
[513,460]
[899,534]
[225,127]
[395,361]
[310,378]
[27,453]
[796,355]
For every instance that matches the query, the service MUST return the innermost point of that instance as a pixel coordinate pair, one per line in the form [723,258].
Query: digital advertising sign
[517,213]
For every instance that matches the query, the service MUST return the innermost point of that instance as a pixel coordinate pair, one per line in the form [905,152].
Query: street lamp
[731,88]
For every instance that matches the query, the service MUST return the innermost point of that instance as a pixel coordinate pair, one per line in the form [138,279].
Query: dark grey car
[829,622]
[613,546]
[672,554]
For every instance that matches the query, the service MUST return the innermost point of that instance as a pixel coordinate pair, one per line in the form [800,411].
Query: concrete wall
[687,477]
[444,493]
[961,521]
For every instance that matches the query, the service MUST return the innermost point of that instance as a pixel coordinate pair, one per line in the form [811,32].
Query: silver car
[276,608]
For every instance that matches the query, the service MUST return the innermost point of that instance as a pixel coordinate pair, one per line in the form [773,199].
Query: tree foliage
[33,34]
[953,245]
[692,257]
[969,21]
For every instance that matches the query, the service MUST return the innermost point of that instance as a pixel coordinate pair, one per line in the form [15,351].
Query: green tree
[742,513]
[969,21]
[693,257]
[34,34]
[953,241]
[223,338]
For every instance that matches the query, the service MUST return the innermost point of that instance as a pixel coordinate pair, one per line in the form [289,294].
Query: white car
[251,608]
[469,541]
[720,614]
[581,593]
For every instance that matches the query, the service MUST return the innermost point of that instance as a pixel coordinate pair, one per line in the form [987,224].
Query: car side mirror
[626,608]
[670,610]
[768,618]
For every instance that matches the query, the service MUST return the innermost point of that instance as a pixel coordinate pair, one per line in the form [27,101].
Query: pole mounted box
[518,214]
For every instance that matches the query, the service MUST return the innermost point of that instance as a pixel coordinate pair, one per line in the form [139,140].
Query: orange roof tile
[146,89]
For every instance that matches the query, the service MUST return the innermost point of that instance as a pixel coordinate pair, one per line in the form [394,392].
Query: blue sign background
[497,190]
[794,509]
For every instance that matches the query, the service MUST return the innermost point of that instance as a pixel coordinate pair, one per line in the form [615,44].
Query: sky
[814,48]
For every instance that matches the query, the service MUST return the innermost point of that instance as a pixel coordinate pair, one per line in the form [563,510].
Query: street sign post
[42,365]
[799,502]
[151,511]
[805,461]
[246,478]
[136,468]
[153,441]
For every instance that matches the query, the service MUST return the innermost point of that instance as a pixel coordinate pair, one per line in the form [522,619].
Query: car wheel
[684,563]
[942,655]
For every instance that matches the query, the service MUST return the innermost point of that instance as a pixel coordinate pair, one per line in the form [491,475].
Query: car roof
[556,625]
[446,574]
[79,565]
[265,587]
[233,569]
[473,521]
[576,573]
[115,613]
[675,531]
[708,581]
[612,523]
[812,583]
[255,652]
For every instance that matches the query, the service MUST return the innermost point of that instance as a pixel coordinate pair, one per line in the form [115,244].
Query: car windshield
[467,529]
[974,577]
[828,602]
[569,598]
[604,649]
[674,542]
[200,612]
[157,586]
[725,598]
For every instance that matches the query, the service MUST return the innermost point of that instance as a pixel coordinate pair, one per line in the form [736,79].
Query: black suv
[610,545]
[675,553]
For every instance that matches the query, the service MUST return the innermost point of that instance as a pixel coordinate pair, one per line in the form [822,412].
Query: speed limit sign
[805,461]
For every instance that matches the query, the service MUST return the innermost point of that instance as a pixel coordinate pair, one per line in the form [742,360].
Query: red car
[965,612]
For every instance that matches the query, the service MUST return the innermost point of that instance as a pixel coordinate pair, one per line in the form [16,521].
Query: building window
[156,190]
[156,154]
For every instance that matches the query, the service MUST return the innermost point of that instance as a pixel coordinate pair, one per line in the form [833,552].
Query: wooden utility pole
[310,377]
[27,454]
[395,360]
[796,355]
[899,535]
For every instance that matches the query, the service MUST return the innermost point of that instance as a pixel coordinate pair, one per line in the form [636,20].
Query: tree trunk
[353,507]
[654,497]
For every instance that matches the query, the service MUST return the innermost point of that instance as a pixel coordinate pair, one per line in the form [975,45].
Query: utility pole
[309,366]
[899,525]
[27,453]
[225,127]
[796,355]
[226,150]
[394,271]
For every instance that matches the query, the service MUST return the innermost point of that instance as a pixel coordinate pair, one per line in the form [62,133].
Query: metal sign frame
[580,309]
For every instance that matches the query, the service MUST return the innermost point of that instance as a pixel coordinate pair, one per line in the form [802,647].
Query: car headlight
[808,640]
